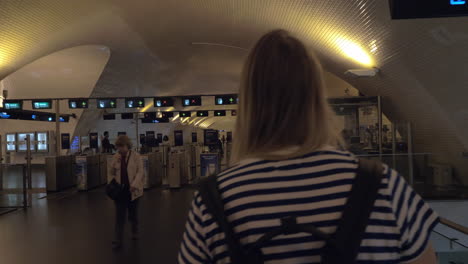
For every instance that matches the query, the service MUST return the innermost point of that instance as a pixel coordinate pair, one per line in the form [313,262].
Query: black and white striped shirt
[315,187]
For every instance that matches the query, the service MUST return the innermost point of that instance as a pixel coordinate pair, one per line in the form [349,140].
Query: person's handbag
[114,190]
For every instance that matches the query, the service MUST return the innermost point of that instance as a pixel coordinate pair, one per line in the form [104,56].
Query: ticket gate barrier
[91,171]
[177,170]
[59,173]
[153,169]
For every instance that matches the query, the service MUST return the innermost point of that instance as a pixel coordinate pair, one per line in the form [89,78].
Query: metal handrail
[452,240]
[454,225]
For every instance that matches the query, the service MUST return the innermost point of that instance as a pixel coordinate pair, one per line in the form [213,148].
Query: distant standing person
[126,169]
[105,143]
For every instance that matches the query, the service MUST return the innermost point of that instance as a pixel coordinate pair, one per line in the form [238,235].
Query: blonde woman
[287,164]
[127,169]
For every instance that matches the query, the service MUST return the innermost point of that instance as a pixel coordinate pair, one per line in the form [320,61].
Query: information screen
[106,103]
[65,140]
[167,114]
[78,103]
[179,138]
[64,119]
[226,99]
[192,101]
[134,102]
[185,114]
[13,105]
[202,113]
[109,117]
[404,9]
[220,113]
[42,104]
[150,139]
[211,137]
[163,101]
[127,116]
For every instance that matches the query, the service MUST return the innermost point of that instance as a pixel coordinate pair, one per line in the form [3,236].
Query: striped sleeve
[414,217]
[193,249]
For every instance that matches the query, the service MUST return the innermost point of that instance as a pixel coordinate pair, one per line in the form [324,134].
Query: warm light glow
[354,51]
[147,107]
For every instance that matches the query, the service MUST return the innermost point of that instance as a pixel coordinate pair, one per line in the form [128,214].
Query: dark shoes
[135,236]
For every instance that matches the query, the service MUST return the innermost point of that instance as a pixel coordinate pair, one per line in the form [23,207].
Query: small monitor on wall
[185,114]
[78,103]
[13,104]
[220,113]
[163,102]
[192,101]
[211,137]
[109,117]
[106,103]
[42,104]
[127,116]
[134,102]
[226,99]
[202,113]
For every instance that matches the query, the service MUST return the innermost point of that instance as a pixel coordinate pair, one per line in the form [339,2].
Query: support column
[28,161]
[379,101]
[410,156]
[57,128]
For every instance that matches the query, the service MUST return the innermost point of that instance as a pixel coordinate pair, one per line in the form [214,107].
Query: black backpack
[341,247]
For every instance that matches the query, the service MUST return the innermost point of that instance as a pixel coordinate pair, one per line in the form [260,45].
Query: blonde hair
[282,101]
[123,140]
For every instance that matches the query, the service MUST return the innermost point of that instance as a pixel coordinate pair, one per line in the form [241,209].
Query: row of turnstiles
[165,166]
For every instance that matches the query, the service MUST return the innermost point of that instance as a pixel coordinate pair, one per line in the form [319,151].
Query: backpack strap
[351,229]
[342,248]
[208,190]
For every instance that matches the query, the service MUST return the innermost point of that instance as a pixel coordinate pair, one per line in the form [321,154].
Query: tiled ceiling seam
[241,22]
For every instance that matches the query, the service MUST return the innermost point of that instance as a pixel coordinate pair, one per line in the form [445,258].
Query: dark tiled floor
[79,228]
[13,177]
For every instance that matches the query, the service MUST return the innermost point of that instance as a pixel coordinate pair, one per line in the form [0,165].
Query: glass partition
[22,141]
[11,142]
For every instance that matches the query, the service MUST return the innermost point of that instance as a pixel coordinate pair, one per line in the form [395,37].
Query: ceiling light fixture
[354,51]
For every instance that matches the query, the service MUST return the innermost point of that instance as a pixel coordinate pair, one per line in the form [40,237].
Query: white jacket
[134,170]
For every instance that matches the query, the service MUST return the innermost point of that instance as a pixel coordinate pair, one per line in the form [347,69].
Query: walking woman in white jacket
[127,169]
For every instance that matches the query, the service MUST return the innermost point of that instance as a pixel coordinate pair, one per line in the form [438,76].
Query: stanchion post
[28,160]
[410,155]
[57,127]
[25,187]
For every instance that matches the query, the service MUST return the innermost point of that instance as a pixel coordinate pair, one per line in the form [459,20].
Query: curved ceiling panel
[27,27]
[153,53]
[67,73]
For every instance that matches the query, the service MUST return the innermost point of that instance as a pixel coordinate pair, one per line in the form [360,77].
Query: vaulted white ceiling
[179,47]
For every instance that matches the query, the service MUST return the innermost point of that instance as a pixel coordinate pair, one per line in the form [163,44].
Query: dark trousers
[122,205]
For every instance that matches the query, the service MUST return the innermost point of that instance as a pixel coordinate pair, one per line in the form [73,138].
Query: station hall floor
[77,227]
